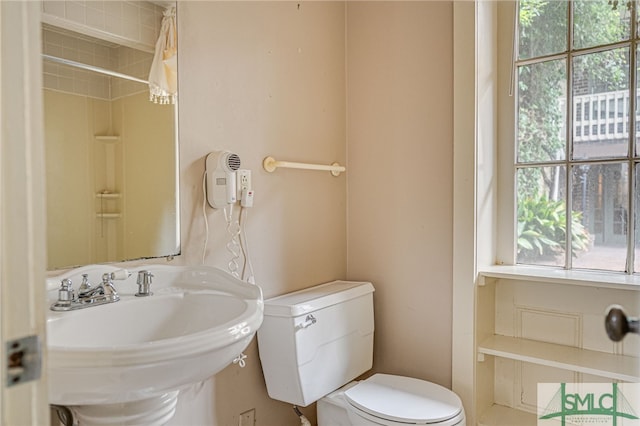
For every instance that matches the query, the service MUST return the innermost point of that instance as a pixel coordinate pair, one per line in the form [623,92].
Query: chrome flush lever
[308,322]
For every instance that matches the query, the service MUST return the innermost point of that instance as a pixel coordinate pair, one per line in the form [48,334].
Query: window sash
[568,163]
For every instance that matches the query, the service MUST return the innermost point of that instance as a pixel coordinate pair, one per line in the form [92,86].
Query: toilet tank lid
[313,298]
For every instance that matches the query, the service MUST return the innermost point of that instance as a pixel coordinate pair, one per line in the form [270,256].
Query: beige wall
[400,158]
[269,79]
[260,79]
[282,79]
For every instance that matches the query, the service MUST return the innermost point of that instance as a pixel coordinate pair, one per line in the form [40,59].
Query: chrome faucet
[105,289]
[88,295]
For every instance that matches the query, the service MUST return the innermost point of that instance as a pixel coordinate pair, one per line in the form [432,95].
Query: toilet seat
[389,399]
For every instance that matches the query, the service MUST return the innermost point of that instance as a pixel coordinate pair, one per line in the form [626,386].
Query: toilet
[314,342]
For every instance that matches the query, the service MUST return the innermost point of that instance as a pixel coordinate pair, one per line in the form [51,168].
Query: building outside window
[576,163]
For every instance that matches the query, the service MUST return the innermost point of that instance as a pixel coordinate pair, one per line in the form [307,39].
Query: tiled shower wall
[75,80]
[134,63]
[134,24]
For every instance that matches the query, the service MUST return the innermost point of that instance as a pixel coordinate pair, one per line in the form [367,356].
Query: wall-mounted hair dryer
[221,169]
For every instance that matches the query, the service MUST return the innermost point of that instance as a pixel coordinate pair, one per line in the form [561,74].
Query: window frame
[508,164]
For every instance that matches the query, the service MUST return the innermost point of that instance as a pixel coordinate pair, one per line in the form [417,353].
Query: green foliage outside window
[542,228]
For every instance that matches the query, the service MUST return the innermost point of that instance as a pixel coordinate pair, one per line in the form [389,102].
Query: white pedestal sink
[125,362]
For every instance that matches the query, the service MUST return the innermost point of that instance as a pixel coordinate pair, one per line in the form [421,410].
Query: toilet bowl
[389,400]
[319,339]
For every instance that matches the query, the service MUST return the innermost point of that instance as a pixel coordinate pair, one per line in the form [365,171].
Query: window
[577,166]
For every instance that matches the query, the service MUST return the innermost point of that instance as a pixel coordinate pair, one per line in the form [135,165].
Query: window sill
[611,280]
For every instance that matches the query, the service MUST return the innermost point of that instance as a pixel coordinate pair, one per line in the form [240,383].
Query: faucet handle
[84,285]
[107,282]
[144,283]
[65,292]
[120,274]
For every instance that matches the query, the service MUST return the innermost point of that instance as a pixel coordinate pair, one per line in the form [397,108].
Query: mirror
[111,154]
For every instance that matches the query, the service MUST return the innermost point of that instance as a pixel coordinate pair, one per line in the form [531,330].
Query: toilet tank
[315,340]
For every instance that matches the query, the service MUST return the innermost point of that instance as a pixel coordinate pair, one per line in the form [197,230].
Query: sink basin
[140,348]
